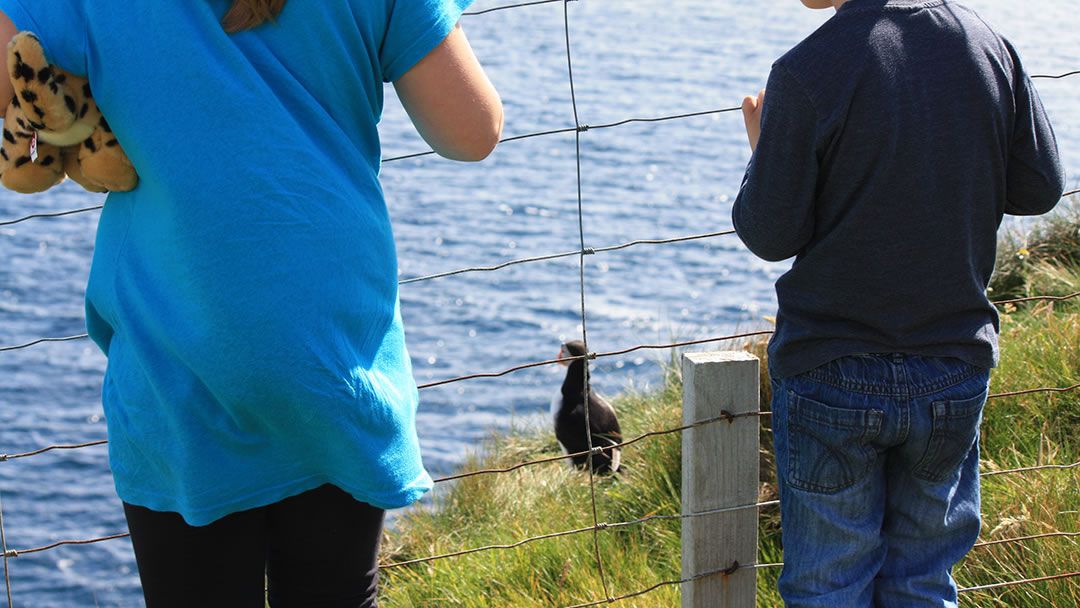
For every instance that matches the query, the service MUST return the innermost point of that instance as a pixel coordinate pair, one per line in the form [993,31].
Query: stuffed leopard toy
[53,127]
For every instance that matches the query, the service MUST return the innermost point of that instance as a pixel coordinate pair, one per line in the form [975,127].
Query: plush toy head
[53,128]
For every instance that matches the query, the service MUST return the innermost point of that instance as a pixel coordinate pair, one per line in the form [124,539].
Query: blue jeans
[877,458]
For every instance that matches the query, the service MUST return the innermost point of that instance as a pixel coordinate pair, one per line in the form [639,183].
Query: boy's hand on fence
[751,109]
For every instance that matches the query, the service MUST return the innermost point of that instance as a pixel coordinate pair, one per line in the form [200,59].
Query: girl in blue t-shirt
[259,397]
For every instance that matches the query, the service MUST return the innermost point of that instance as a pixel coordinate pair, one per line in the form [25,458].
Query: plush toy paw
[53,128]
[101,160]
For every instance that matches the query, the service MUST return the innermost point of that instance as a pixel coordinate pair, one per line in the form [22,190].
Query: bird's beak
[562,353]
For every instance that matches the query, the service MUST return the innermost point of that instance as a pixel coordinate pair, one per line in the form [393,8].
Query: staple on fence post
[720,469]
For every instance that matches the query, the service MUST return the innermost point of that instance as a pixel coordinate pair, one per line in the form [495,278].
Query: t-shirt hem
[202,516]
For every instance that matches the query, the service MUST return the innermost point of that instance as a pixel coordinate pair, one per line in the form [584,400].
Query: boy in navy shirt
[888,146]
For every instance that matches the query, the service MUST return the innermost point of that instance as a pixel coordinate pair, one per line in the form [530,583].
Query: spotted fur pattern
[73,137]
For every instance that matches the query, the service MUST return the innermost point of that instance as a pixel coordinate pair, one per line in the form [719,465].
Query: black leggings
[317,550]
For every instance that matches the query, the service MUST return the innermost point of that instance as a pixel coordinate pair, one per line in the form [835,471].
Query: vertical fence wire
[581,274]
[3,547]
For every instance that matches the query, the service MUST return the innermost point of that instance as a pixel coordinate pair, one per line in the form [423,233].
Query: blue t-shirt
[246,291]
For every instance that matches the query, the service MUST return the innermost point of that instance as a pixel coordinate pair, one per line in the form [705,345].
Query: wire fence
[597,526]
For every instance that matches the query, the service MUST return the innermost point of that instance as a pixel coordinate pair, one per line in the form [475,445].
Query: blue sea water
[641,180]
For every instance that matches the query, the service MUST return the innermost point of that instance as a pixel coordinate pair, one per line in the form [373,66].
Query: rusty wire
[1036,299]
[703,513]
[736,566]
[602,526]
[566,254]
[1017,583]
[530,135]
[581,129]
[595,356]
[1035,390]
[14,553]
[583,251]
[594,528]
[597,527]
[725,416]
[5,457]
[1044,467]
[390,159]
[1004,541]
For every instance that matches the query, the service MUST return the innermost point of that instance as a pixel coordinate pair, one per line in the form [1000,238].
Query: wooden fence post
[720,469]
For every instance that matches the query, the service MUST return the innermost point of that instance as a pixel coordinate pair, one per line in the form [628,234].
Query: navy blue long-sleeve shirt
[893,140]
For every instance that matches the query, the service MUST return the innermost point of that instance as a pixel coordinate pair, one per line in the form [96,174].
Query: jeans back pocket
[955,429]
[829,448]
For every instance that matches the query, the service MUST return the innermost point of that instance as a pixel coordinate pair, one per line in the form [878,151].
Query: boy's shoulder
[862,27]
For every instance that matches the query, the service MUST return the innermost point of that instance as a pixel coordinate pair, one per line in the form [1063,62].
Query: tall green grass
[1028,260]
[1040,347]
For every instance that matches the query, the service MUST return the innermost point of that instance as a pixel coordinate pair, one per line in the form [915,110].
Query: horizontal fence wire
[1044,467]
[706,341]
[1026,581]
[590,356]
[603,526]
[42,341]
[530,135]
[57,214]
[737,566]
[582,129]
[725,417]
[606,526]
[506,140]
[991,543]
[1058,76]
[540,258]
[593,356]
[567,254]
[14,553]
[6,457]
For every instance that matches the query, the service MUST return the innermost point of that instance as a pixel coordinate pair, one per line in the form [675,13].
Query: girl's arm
[450,100]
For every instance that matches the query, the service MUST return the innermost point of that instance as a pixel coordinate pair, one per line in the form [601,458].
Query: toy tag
[33,147]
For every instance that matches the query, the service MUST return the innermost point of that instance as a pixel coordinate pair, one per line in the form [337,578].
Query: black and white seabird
[568,411]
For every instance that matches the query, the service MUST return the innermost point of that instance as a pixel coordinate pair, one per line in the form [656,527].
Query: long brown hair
[246,14]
